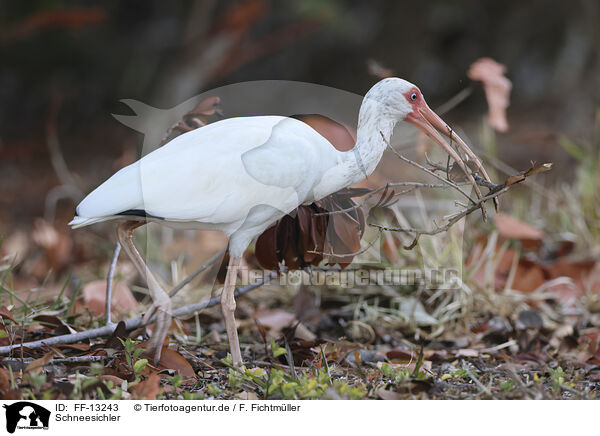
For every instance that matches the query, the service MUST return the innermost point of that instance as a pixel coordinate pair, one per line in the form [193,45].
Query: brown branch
[451,221]
[412,185]
[356,253]
[495,191]
[428,171]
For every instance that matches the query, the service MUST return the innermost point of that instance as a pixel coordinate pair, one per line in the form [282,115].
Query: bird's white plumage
[220,176]
[240,175]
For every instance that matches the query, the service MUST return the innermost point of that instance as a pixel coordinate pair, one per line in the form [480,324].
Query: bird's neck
[375,128]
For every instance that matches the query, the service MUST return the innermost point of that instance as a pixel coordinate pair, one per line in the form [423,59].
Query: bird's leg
[160,299]
[228,309]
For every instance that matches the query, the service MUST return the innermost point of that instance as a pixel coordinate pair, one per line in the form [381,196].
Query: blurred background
[66,65]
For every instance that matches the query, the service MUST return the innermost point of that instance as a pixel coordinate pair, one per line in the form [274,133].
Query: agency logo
[26,415]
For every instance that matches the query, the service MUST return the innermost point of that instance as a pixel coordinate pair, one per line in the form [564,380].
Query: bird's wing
[218,173]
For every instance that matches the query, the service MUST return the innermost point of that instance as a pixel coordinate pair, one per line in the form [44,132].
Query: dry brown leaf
[147,389]
[60,327]
[246,396]
[57,246]
[4,380]
[401,356]
[528,275]
[170,359]
[585,275]
[276,319]
[11,395]
[6,314]
[533,170]
[37,365]
[513,228]
[117,381]
[497,89]
[94,297]
[386,394]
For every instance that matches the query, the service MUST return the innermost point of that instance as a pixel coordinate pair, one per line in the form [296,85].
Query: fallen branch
[130,324]
[18,364]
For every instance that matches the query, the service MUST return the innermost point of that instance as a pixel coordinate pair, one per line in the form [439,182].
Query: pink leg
[228,309]
[161,301]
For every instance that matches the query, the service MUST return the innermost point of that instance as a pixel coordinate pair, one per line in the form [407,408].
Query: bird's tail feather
[80,221]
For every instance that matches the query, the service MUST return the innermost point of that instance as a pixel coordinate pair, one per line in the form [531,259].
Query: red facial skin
[433,126]
[417,104]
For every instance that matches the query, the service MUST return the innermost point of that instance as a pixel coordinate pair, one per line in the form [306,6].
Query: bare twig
[130,324]
[428,171]
[356,253]
[109,282]
[495,191]
[412,186]
[451,221]
[20,363]
[193,275]
[454,101]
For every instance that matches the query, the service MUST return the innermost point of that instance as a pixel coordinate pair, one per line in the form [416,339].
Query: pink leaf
[497,89]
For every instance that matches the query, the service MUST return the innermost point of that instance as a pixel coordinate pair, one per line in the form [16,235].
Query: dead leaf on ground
[147,389]
[117,381]
[278,320]
[579,271]
[94,297]
[513,228]
[60,327]
[6,314]
[4,380]
[38,365]
[246,396]
[402,356]
[170,359]
[529,275]
[387,394]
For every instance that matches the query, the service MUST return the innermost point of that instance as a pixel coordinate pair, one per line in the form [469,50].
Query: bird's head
[403,101]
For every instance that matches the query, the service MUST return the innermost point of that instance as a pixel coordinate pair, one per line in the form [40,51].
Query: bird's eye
[413,96]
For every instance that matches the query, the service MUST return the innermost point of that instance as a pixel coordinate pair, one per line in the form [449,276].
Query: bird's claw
[162,323]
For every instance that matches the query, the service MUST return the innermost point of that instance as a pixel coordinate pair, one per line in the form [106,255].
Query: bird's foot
[162,308]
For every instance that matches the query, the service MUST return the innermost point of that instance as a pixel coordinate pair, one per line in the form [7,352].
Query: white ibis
[240,175]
